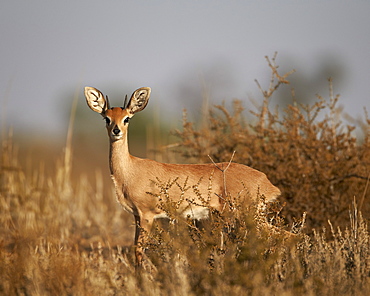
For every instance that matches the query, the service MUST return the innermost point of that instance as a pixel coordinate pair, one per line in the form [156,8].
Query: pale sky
[51,49]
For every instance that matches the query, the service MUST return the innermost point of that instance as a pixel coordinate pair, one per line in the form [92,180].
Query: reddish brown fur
[135,179]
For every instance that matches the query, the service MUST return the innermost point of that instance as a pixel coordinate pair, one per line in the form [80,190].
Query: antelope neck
[119,157]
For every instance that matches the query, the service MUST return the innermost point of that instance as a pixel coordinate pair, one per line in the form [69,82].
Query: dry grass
[63,235]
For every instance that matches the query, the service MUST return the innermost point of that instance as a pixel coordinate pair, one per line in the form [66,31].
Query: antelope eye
[107,120]
[126,120]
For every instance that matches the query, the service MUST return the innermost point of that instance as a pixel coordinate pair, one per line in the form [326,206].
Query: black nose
[116,131]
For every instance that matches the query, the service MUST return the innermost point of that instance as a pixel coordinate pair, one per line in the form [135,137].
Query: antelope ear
[138,100]
[95,100]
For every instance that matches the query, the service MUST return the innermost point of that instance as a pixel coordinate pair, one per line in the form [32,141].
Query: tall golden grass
[66,235]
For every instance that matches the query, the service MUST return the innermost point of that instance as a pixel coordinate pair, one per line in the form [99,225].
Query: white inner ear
[95,104]
[141,98]
[95,99]
[97,107]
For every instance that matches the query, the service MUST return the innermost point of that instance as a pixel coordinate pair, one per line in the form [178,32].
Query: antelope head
[117,118]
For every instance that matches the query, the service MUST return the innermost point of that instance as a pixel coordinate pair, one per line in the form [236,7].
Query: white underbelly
[197,213]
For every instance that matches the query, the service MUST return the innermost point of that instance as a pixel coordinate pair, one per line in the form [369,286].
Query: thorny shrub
[306,150]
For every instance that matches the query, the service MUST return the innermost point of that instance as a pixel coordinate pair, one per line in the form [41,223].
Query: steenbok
[136,180]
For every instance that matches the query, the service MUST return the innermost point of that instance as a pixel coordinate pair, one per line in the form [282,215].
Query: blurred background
[184,50]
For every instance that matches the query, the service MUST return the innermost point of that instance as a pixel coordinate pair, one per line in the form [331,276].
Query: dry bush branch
[307,151]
